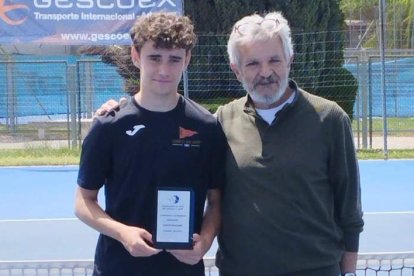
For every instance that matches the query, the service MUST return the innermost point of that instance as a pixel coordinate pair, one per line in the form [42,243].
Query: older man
[291,204]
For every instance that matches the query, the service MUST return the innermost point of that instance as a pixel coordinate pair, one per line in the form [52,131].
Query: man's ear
[236,71]
[290,62]
[136,59]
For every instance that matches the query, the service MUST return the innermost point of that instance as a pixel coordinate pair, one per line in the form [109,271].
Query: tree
[399,20]
[316,27]
[317,39]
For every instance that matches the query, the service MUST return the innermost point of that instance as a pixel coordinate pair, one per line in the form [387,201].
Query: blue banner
[75,22]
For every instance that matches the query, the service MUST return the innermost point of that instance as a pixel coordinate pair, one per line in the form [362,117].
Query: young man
[159,139]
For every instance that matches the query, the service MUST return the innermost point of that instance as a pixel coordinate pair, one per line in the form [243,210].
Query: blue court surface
[37,220]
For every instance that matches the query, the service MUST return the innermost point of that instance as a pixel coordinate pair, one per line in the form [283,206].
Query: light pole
[383,88]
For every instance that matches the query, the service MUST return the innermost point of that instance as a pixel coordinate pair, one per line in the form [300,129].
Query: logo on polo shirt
[134,130]
[186,133]
[184,138]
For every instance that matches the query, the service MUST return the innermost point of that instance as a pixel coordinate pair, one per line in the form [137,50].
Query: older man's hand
[109,106]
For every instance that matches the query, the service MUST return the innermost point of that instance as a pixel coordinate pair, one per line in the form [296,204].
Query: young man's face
[263,71]
[160,69]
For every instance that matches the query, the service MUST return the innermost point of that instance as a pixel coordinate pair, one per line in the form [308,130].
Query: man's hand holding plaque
[191,257]
[174,218]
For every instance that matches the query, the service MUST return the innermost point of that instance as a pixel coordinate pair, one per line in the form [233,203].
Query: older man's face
[263,71]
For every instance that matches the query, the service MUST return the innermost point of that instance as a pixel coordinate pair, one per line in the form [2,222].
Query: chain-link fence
[49,100]
[390,108]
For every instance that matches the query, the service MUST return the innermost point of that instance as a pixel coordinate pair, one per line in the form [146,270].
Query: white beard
[268,99]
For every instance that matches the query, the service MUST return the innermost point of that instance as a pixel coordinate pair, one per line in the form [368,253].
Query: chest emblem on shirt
[186,133]
[134,130]
[184,141]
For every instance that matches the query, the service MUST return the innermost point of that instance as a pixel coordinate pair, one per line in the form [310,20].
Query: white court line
[387,160]
[38,220]
[40,166]
[75,219]
[390,213]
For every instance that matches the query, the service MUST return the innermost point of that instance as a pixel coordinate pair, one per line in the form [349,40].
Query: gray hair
[254,30]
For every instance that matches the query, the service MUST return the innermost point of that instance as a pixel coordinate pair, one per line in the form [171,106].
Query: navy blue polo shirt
[132,152]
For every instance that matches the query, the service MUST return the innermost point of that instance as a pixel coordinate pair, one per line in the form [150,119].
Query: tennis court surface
[39,234]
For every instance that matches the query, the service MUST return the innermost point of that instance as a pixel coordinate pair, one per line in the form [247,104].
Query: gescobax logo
[104,4]
[61,5]
[6,9]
